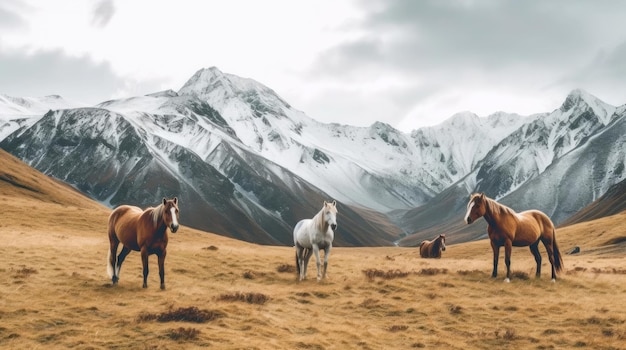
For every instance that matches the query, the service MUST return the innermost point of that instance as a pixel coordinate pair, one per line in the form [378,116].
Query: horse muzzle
[333,227]
[469,220]
[174,228]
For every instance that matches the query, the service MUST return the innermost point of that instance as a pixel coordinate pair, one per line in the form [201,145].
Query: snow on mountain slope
[235,138]
[16,112]
[528,151]
[376,167]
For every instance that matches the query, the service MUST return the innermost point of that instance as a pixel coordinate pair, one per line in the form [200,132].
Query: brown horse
[432,249]
[510,229]
[141,230]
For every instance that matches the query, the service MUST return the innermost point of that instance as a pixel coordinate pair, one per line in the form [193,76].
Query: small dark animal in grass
[510,229]
[144,231]
[433,249]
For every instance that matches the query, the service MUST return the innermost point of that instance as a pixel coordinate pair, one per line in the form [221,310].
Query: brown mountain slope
[227,294]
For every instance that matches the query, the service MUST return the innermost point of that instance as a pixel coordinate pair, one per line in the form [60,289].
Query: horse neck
[318,219]
[157,218]
[436,244]
[494,212]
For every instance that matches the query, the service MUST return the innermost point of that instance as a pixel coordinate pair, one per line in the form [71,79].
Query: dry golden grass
[226,294]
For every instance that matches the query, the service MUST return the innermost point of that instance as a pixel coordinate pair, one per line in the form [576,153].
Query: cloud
[103,13]
[78,79]
[10,19]
[500,49]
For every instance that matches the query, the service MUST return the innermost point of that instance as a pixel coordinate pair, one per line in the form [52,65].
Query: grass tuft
[286,268]
[250,298]
[372,274]
[188,314]
[398,328]
[182,334]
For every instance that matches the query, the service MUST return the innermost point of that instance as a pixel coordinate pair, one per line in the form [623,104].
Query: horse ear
[176,200]
[334,203]
[164,201]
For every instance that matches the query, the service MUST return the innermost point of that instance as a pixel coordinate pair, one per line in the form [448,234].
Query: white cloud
[407,63]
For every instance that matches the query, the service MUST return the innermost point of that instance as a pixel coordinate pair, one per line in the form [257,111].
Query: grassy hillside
[226,294]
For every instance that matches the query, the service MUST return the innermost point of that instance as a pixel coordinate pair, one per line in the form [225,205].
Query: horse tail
[109,266]
[558,258]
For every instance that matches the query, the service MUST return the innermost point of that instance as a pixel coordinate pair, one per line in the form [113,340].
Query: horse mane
[318,219]
[157,213]
[498,208]
[436,243]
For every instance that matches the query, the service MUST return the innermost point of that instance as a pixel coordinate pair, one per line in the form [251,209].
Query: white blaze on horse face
[470,205]
[174,217]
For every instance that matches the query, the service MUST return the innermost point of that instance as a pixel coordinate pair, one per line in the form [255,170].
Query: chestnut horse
[432,249]
[510,229]
[141,230]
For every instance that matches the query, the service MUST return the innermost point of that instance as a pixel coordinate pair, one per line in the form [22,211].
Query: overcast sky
[408,63]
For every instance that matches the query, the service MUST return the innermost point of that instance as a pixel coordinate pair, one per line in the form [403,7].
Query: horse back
[532,225]
[124,223]
[305,233]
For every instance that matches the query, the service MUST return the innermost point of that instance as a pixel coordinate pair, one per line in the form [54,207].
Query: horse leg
[496,256]
[305,261]
[161,257]
[550,249]
[534,248]
[300,262]
[144,261]
[326,254]
[114,243]
[120,259]
[508,247]
[316,251]
[297,264]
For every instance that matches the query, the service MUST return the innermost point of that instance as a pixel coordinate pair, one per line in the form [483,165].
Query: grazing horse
[141,230]
[311,235]
[432,249]
[510,229]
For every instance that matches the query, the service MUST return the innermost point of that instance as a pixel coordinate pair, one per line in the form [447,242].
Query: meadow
[227,294]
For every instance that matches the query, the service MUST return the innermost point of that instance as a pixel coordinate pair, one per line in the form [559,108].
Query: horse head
[442,239]
[170,213]
[476,207]
[330,214]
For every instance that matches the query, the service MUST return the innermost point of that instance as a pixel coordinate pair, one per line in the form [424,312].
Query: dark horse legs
[117,260]
[144,259]
[534,248]
[508,247]
[496,256]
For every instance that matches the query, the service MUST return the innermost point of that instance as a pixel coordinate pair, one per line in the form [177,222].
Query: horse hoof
[554,280]
[145,286]
[507,280]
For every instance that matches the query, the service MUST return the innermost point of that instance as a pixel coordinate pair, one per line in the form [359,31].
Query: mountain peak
[461,119]
[581,98]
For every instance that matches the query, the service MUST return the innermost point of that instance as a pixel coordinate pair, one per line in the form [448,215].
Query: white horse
[310,235]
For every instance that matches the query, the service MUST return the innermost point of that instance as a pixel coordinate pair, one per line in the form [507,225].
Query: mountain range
[246,164]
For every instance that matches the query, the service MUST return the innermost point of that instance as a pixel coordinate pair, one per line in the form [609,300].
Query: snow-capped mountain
[249,165]
[16,112]
[559,163]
